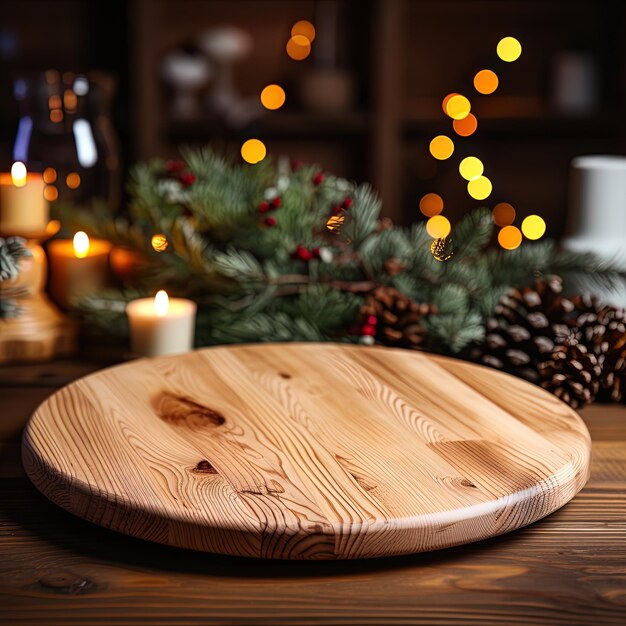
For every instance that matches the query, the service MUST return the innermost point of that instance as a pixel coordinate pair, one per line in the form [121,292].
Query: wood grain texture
[306,451]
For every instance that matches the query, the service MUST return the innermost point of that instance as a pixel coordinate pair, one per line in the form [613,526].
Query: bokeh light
[509,49]
[441,147]
[431,204]
[438,227]
[159,242]
[486,82]
[458,107]
[444,103]
[510,237]
[471,167]
[49,175]
[50,193]
[273,97]
[533,227]
[298,47]
[465,127]
[253,151]
[503,214]
[56,115]
[479,188]
[72,180]
[304,28]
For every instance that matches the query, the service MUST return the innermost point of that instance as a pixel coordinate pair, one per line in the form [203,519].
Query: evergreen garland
[272,252]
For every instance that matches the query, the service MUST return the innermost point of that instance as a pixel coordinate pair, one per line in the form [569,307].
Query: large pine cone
[527,325]
[603,331]
[399,319]
[572,374]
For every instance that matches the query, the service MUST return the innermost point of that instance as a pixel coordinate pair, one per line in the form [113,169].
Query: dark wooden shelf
[279,125]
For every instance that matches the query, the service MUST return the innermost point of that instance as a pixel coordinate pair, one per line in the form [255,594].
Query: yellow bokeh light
[298,47]
[72,180]
[431,204]
[486,82]
[441,147]
[253,151]
[503,214]
[479,188]
[159,242]
[458,107]
[465,127]
[444,103]
[438,227]
[471,167]
[273,97]
[50,193]
[510,237]
[533,227]
[49,175]
[304,28]
[509,49]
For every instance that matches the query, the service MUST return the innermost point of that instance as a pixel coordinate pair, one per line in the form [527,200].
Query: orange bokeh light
[503,214]
[465,127]
[72,180]
[510,237]
[445,101]
[273,97]
[486,82]
[304,28]
[50,193]
[298,47]
[431,204]
[441,147]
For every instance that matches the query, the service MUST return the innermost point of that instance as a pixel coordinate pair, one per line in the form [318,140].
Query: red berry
[276,202]
[302,254]
[368,329]
[347,203]
[372,320]
[316,253]
[187,179]
[174,166]
[318,179]
[270,221]
[264,207]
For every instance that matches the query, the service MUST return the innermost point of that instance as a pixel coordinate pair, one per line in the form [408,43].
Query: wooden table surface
[569,568]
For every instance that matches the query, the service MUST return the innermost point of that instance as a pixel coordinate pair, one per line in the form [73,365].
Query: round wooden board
[306,451]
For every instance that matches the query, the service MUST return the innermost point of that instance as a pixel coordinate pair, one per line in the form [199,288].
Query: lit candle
[78,267]
[161,325]
[23,209]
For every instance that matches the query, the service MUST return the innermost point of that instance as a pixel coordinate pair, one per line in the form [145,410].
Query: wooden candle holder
[40,331]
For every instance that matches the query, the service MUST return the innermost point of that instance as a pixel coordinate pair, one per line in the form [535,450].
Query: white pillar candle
[161,325]
[78,267]
[597,217]
[23,208]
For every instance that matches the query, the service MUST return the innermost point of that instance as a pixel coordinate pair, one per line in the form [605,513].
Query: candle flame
[161,303]
[18,174]
[81,244]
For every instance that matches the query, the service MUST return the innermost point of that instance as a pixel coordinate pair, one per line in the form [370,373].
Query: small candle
[78,267]
[161,325]
[23,208]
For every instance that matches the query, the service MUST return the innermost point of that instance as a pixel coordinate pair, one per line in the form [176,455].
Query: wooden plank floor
[56,569]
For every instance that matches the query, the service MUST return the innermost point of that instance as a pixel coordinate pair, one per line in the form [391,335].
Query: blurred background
[364,101]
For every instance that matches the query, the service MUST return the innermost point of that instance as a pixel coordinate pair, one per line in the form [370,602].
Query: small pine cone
[606,338]
[572,374]
[399,319]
